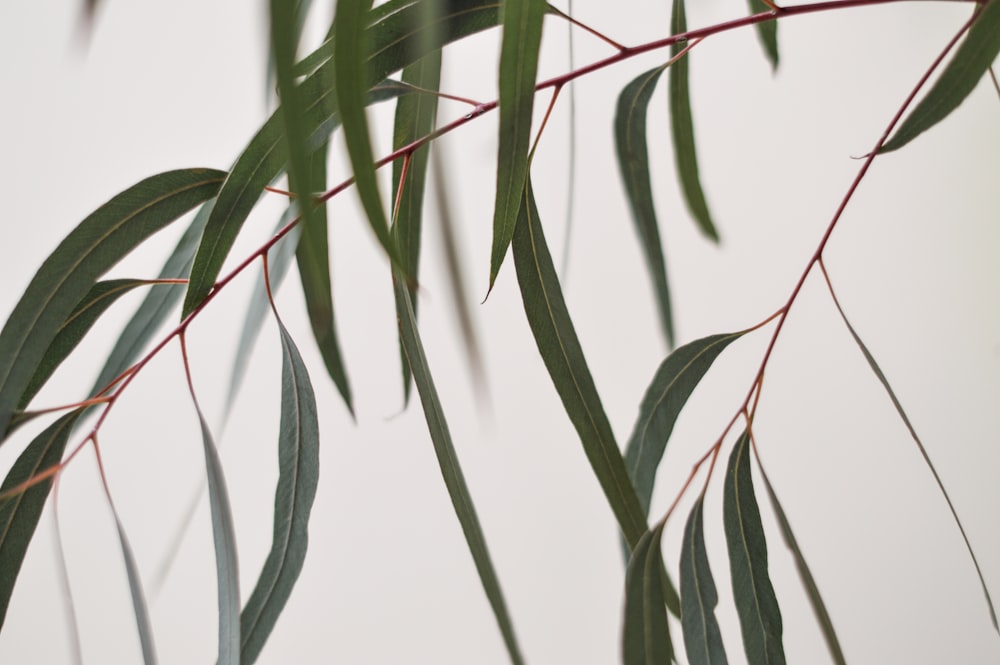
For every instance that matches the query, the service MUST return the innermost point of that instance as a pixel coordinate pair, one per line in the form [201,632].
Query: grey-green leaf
[970,63]
[767,33]
[19,513]
[298,466]
[633,162]
[96,244]
[702,637]
[756,604]
[646,633]
[139,607]
[668,392]
[682,128]
[451,471]
[519,45]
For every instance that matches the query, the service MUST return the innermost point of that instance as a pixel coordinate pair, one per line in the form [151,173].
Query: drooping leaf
[756,604]
[633,162]
[675,379]
[522,37]
[702,637]
[313,260]
[451,471]
[100,297]
[298,465]
[805,575]
[20,512]
[767,33]
[682,129]
[156,307]
[646,633]
[139,608]
[96,244]
[970,63]
[415,117]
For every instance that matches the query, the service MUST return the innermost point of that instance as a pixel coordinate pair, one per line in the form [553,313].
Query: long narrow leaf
[646,633]
[682,127]
[767,33]
[675,379]
[99,242]
[298,464]
[756,604]
[702,637]
[139,608]
[522,37]
[450,469]
[19,513]
[633,162]
[969,64]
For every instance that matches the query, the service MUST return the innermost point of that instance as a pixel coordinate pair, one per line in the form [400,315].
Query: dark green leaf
[448,461]
[99,242]
[142,623]
[808,583]
[313,259]
[672,385]
[756,604]
[522,37]
[969,64]
[633,161]
[646,633]
[702,637]
[682,127]
[75,327]
[767,33]
[298,464]
[20,512]
[560,350]
[157,305]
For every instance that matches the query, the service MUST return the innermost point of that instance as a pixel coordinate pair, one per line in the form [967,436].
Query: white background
[388,578]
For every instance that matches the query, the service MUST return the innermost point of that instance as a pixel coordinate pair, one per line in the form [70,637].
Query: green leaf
[139,607]
[313,260]
[672,385]
[633,161]
[522,37]
[969,64]
[224,538]
[100,297]
[415,117]
[682,127]
[20,512]
[646,633]
[560,350]
[99,242]
[702,637]
[156,307]
[298,464]
[448,461]
[767,33]
[805,575]
[756,604]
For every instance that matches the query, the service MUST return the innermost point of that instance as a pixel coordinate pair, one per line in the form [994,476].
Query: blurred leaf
[96,244]
[672,385]
[646,634]
[139,607]
[100,297]
[19,513]
[560,350]
[808,583]
[969,64]
[313,260]
[415,116]
[682,127]
[756,604]
[702,637]
[522,37]
[298,464]
[461,500]
[157,305]
[767,33]
[633,161]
